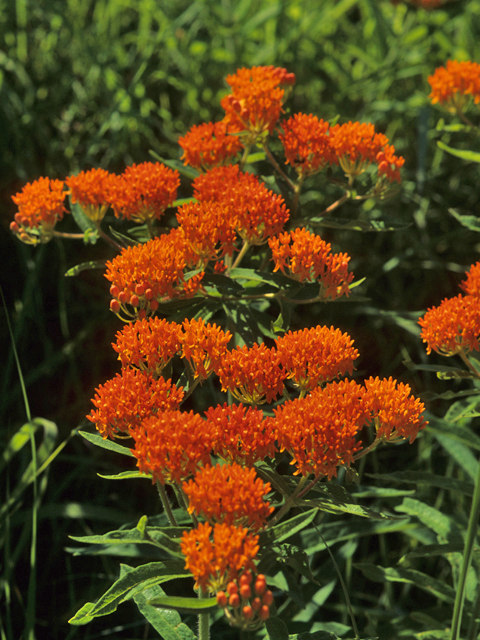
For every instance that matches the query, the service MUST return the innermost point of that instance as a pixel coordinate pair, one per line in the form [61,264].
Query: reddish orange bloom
[395,412]
[144,191]
[147,274]
[456,86]
[357,146]
[241,434]
[230,494]
[214,563]
[204,346]
[40,206]
[304,256]
[148,344]
[453,326]
[319,430]
[125,401]
[253,375]
[209,231]
[209,145]
[172,445]
[255,103]
[317,355]
[472,283]
[256,212]
[94,190]
[306,144]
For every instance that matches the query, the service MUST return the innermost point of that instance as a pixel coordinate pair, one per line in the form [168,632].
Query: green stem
[203,621]
[467,560]
[241,255]
[470,366]
[289,502]
[278,169]
[166,504]
[107,239]
[71,236]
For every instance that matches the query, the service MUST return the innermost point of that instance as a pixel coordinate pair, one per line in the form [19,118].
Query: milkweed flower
[306,144]
[144,275]
[456,86]
[94,190]
[304,256]
[395,412]
[204,346]
[252,374]
[230,494]
[246,601]
[256,100]
[471,285]
[317,355]
[40,206]
[172,445]
[219,554]
[209,145]
[125,401]
[148,344]
[242,434]
[453,326]
[144,191]
[319,431]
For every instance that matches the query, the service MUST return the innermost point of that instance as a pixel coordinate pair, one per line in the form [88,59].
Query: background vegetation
[88,84]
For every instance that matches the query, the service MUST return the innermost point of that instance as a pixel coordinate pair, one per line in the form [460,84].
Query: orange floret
[471,285]
[94,190]
[209,145]
[307,144]
[204,346]
[40,206]
[456,86]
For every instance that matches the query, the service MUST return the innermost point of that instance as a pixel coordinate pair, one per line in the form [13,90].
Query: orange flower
[306,144]
[319,430]
[230,494]
[214,563]
[209,231]
[40,206]
[395,412]
[453,326]
[253,375]
[256,212]
[204,346]
[456,85]
[148,344]
[172,445]
[357,146]
[317,355]
[472,283]
[147,274]
[256,100]
[209,145]
[125,401]
[241,434]
[144,191]
[304,256]
[94,190]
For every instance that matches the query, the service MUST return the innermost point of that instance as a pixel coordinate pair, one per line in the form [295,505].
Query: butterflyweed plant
[205,288]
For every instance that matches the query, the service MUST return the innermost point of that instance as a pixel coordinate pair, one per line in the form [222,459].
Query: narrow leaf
[167,623]
[465,154]
[185,605]
[85,266]
[106,444]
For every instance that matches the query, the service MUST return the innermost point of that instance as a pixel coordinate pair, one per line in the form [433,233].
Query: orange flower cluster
[255,103]
[144,191]
[94,190]
[253,375]
[147,274]
[395,412]
[456,86]
[125,401]
[317,355]
[241,434]
[40,206]
[255,212]
[471,285]
[304,256]
[306,144]
[215,562]
[204,346]
[172,445]
[230,494]
[209,145]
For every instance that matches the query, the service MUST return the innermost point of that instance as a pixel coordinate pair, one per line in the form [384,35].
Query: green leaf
[357,225]
[85,266]
[295,558]
[17,442]
[128,585]
[424,477]
[470,222]
[470,156]
[188,172]
[444,526]
[98,441]
[79,216]
[316,635]
[428,550]
[185,605]
[290,527]
[126,475]
[276,629]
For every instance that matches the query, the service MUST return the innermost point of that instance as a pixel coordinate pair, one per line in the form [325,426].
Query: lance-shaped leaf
[106,444]
[185,605]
